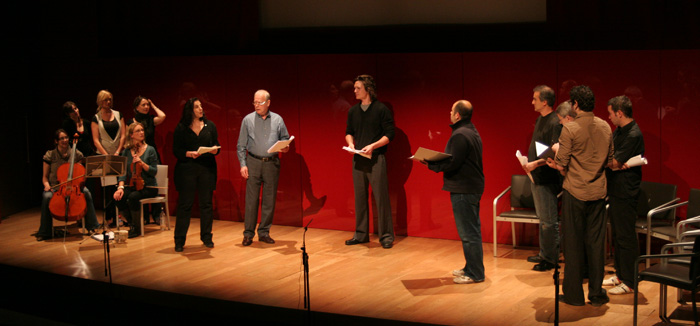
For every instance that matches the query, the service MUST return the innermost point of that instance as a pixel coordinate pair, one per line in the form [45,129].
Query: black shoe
[353,242]
[209,244]
[543,266]
[266,239]
[535,259]
[387,244]
[600,300]
[134,234]
[179,248]
[42,238]
[247,241]
[561,299]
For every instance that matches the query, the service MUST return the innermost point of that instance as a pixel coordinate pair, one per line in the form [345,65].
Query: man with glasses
[259,131]
[370,128]
[585,149]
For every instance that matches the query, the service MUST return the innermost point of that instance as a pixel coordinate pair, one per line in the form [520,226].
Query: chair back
[693,203]
[520,192]
[695,262]
[653,194]
[162,179]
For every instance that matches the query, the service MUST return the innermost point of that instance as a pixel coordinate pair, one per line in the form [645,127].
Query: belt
[264,159]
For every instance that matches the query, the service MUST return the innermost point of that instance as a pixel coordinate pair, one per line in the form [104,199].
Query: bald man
[463,177]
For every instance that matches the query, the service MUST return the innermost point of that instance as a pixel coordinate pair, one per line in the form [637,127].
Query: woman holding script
[195,171]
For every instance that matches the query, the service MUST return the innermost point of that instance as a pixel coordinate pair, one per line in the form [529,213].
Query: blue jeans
[46,223]
[466,210]
[545,197]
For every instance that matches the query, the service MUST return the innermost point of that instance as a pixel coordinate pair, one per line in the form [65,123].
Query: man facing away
[623,192]
[547,181]
[370,127]
[463,177]
[585,149]
[259,131]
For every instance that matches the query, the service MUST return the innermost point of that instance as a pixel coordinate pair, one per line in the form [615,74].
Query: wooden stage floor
[411,282]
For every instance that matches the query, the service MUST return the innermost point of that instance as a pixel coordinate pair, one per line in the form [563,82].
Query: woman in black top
[195,173]
[74,124]
[142,107]
[109,136]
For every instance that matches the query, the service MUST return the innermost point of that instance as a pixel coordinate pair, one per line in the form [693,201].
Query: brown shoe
[247,241]
[265,239]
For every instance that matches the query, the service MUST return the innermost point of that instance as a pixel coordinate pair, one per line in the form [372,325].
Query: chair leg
[512,229]
[695,307]
[142,222]
[167,215]
[663,297]
[648,262]
[636,295]
[495,238]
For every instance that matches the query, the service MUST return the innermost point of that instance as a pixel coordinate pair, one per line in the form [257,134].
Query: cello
[68,202]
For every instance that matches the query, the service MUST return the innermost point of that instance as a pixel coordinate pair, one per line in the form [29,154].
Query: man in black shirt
[547,181]
[623,191]
[463,176]
[370,128]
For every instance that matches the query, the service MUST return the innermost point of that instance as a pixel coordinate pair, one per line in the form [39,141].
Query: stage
[363,284]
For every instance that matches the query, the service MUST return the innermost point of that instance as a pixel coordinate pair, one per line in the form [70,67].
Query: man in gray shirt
[259,131]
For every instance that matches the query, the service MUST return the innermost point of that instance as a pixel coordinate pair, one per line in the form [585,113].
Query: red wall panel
[313,93]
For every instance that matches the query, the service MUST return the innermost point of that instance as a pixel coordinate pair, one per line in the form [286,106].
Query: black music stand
[105,167]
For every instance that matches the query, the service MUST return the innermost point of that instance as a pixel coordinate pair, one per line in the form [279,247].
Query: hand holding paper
[358,152]
[202,149]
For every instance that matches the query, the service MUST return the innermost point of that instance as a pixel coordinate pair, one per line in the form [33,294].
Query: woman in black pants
[195,171]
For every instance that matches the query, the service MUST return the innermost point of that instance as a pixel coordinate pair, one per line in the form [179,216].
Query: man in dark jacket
[463,177]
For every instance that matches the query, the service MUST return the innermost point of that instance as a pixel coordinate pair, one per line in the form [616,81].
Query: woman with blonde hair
[108,134]
[140,179]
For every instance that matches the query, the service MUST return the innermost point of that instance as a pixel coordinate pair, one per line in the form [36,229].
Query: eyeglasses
[256,103]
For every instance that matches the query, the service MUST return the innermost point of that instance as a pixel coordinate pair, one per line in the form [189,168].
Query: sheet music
[424,154]
[358,152]
[523,160]
[279,145]
[201,150]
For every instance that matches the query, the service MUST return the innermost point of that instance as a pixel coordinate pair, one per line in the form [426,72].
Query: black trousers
[130,205]
[623,215]
[583,224]
[198,182]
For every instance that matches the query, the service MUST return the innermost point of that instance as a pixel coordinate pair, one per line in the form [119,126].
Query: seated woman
[53,159]
[142,165]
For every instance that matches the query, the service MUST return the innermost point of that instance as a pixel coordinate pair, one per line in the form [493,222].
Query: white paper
[100,237]
[358,152]
[636,161]
[428,155]
[523,160]
[279,145]
[543,151]
[201,150]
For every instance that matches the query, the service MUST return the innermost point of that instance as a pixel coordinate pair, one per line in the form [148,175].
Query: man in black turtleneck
[463,177]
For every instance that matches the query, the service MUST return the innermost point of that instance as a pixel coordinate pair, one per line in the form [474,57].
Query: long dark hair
[186,119]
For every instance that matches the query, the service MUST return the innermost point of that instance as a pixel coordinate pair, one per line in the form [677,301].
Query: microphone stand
[556,293]
[108,264]
[305,262]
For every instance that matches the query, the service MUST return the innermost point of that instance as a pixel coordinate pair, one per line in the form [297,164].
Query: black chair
[681,276]
[656,212]
[522,207]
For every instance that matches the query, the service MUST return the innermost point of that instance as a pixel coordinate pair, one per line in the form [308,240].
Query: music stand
[107,168]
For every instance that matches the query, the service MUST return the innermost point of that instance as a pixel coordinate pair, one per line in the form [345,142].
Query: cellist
[53,159]
[138,182]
